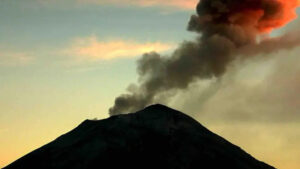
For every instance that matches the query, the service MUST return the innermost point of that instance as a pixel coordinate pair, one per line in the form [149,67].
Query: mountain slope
[156,137]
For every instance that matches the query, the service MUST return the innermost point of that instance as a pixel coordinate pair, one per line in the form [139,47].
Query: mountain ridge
[155,137]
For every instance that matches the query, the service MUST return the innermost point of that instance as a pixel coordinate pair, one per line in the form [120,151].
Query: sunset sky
[64,61]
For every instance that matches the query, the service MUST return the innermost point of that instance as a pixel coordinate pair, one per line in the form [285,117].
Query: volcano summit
[155,137]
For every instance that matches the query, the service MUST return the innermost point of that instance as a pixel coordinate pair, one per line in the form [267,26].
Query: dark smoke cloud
[228,30]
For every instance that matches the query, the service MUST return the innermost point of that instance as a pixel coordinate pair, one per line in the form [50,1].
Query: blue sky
[28,25]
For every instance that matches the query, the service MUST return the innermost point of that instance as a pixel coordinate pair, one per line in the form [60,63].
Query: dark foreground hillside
[154,138]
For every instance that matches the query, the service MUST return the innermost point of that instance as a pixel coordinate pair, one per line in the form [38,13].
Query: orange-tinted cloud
[92,49]
[284,15]
[181,4]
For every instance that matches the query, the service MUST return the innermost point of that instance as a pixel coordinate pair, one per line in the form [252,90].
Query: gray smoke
[228,30]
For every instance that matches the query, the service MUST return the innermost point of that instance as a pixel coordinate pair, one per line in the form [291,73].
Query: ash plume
[228,30]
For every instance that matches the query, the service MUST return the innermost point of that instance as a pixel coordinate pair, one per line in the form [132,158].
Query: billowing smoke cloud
[228,30]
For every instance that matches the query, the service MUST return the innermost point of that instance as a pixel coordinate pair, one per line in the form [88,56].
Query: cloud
[180,4]
[266,90]
[9,58]
[91,48]
[227,30]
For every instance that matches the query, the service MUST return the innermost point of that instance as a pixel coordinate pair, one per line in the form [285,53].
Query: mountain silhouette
[156,137]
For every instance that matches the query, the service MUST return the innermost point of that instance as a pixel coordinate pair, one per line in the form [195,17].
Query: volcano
[156,137]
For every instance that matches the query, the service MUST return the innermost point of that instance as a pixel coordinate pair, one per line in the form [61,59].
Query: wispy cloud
[10,58]
[91,48]
[181,4]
